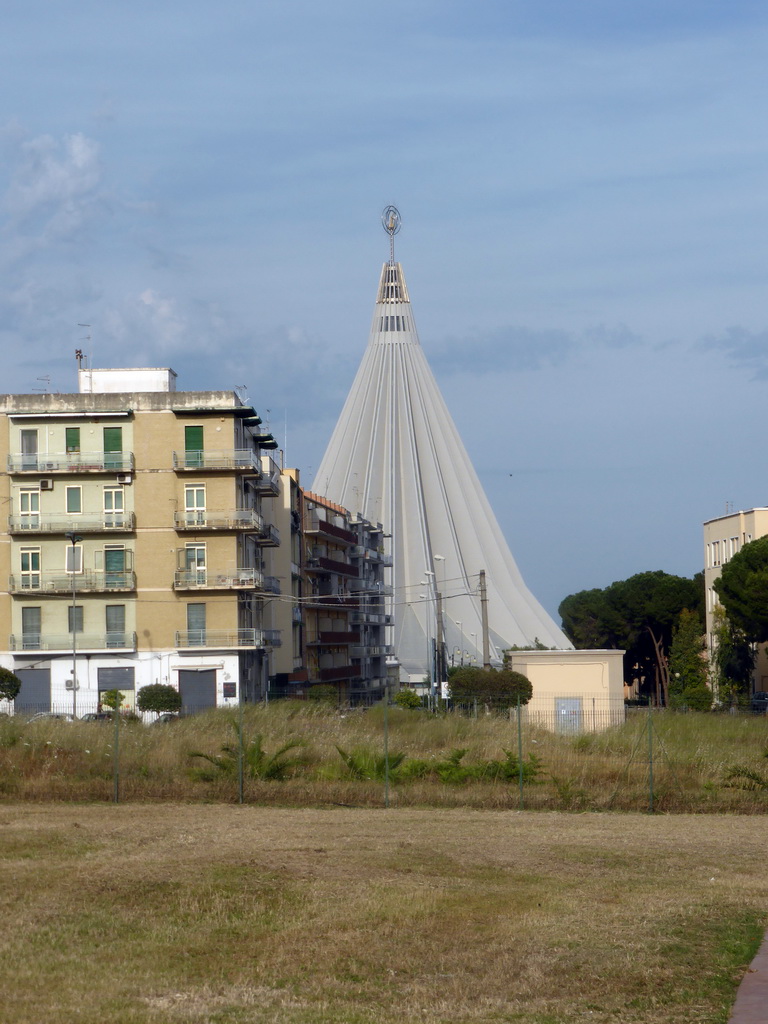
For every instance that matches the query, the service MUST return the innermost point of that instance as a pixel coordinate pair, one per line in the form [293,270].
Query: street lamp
[461,630]
[433,656]
[74,538]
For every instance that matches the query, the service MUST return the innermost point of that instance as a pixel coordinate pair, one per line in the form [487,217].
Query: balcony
[378,651]
[246,519]
[313,524]
[71,462]
[211,579]
[339,672]
[224,639]
[371,555]
[373,618]
[237,460]
[87,643]
[272,584]
[38,583]
[52,522]
[268,536]
[269,482]
[335,638]
[322,564]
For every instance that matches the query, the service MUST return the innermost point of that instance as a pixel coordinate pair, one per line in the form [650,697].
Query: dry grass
[608,770]
[179,914]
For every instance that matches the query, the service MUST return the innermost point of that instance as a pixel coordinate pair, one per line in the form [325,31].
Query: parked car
[44,716]
[97,716]
[759,703]
[167,716]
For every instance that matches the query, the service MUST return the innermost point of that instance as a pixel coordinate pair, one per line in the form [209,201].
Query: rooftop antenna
[390,219]
[79,352]
[46,382]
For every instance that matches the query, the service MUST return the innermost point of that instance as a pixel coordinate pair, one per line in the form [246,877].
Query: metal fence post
[520,751]
[386,745]
[116,760]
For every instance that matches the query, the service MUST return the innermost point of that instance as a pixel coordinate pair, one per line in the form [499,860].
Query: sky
[584,200]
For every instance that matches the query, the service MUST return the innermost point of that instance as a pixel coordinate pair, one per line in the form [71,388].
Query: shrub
[362,764]
[257,763]
[10,684]
[159,697]
[407,698]
[324,693]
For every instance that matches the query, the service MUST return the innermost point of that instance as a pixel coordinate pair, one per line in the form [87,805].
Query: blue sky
[583,192]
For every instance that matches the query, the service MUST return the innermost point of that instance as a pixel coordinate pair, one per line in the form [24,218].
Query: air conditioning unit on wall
[46,484]
[124,478]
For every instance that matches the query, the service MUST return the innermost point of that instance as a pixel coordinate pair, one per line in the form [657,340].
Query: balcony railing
[322,564]
[272,584]
[62,583]
[211,579]
[241,460]
[270,477]
[313,524]
[374,618]
[226,639]
[378,651]
[85,642]
[328,675]
[246,519]
[71,462]
[268,536]
[336,638]
[51,522]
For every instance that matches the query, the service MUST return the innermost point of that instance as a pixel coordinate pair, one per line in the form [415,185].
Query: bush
[324,693]
[496,688]
[407,698]
[10,684]
[159,697]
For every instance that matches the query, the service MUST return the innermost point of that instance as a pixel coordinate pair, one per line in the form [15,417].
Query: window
[113,448]
[77,618]
[115,566]
[74,500]
[30,628]
[196,624]
[30,568]
[115,622]
[29,449]
[194,504]
[72,439]
[29,506]
[193,446]
[114,498]
[194,563]
[74,558]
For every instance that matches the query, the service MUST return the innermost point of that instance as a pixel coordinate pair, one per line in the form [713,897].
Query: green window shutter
[113,447]
[193,439]
[73,439]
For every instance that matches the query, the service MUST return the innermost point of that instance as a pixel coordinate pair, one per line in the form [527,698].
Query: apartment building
[337,613]
[135,543]
[723,538]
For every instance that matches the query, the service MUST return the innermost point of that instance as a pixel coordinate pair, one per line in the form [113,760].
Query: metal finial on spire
[390,218]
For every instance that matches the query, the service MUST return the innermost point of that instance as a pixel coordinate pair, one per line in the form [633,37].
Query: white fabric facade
[396,457]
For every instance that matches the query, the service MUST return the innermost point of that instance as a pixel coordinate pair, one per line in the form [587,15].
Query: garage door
[198,690]
[35,692]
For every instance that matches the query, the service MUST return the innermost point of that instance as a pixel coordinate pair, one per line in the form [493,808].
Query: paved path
[751,1006]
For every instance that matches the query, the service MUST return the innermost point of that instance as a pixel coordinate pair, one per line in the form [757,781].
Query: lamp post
[74,538]
[461,630]
[433,654]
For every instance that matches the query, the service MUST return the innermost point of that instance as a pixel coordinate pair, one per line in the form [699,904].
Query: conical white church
[396,457]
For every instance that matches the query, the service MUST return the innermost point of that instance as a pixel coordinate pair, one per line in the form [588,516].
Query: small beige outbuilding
[573,691]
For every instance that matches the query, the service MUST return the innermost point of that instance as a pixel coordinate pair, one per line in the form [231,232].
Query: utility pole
[484,610]
[440,659]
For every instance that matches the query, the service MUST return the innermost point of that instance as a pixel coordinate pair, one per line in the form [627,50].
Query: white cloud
[54,186]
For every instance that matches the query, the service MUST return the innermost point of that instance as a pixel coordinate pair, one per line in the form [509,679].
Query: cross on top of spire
[390,218]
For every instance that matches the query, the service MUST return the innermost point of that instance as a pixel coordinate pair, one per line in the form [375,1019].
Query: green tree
[112,699]
[158,697]
[743,590]
[10,684]
[497,688]
[687,667]
[638,615]
[733,660]
[407,698]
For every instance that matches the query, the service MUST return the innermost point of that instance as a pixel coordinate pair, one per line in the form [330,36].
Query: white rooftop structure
[396,457]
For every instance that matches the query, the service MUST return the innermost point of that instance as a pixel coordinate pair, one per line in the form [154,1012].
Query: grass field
[201,914]
[695,757]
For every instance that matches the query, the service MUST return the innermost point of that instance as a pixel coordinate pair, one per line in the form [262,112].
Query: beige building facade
[135,534]
[723,538]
